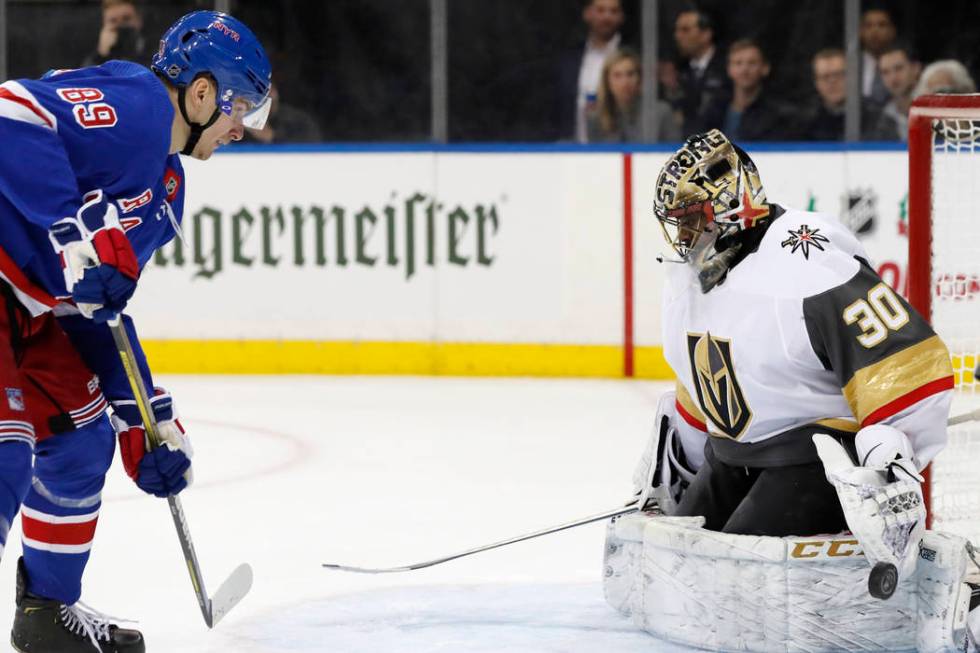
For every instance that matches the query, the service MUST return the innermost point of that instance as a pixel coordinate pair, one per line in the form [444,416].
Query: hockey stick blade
[231,592]
[615,512]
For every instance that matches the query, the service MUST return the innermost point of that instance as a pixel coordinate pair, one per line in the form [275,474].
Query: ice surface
[295,471]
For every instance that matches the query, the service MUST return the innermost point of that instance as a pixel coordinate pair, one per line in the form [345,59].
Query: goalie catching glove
[882,499]
[165,470]
[98,261]
[663,472]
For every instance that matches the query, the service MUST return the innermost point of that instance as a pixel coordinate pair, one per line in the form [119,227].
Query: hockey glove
[663,473]
[881,500]
[166,470]
[97,259]
[887,449]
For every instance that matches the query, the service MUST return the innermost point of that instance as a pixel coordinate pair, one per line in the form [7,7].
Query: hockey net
[944,284]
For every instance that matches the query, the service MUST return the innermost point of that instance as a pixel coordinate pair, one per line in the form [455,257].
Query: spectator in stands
[946,76]
[286,124]
[702,78]
[827,122]
[617,119]
[877,33]
[900,70]
[750,113]
[121,36]
[581,69]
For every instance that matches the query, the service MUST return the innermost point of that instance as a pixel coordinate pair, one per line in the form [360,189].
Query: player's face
[685,231]
[226,128]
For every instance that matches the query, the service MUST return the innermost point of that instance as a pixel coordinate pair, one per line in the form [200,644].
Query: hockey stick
[965,417]
[240,581]
[615,512]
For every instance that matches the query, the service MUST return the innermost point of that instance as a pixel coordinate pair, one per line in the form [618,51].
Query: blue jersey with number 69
[107,127]
[72,131]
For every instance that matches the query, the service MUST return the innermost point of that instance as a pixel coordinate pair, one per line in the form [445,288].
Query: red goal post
[944,283]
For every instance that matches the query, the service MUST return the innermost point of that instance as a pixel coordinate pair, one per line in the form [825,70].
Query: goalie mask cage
[944,284]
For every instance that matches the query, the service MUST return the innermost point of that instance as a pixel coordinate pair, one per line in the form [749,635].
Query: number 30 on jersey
[878,315]
[90,112]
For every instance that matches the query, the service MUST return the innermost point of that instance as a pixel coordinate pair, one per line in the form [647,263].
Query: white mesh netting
[956,316]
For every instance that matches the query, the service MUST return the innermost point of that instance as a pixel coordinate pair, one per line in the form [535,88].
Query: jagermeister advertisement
[511,248]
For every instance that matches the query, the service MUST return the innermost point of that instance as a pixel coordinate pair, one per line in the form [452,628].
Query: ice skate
[49,626]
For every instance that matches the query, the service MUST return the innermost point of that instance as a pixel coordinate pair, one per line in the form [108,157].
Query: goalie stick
[615,512]
[238,584]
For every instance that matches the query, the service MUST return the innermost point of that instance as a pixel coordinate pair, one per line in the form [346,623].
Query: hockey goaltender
[782,508]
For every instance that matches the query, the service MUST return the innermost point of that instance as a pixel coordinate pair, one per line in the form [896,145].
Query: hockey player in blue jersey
[90,186]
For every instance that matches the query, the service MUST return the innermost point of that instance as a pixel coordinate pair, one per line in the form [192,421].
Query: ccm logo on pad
[826,549]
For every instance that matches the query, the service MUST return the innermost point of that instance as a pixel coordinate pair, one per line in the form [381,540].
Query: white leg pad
[778,595]
[943,597]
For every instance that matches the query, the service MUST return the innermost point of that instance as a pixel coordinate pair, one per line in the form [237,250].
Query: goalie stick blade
[231,592]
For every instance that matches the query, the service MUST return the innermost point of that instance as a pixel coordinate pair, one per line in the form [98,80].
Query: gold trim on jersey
[687,402]
[838,424]
[889,379]
[718,390]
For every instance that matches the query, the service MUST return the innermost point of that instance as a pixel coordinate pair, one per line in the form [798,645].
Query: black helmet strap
[196,128]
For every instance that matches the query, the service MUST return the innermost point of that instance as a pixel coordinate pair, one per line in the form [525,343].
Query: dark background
[361,67]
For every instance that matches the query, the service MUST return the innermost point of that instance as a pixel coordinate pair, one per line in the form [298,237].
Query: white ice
[296,471]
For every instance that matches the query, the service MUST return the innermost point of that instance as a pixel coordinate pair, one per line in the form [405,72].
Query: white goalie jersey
[801,337]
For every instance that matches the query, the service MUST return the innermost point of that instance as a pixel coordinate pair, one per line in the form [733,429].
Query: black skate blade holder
[237,585]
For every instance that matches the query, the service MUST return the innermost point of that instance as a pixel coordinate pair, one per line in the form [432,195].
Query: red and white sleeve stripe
[17,103]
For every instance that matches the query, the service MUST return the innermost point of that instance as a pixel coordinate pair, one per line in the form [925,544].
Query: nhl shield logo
[171,184]
[718,389]
[859,210]
[15,399]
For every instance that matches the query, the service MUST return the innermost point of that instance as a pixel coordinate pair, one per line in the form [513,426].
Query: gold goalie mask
[708,192]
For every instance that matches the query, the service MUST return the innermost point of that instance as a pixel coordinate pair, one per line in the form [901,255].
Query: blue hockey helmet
[222,46]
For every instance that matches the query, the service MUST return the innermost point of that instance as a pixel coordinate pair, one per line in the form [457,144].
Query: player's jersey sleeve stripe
[903,402]
[882,389]
[17,103]
[688,410]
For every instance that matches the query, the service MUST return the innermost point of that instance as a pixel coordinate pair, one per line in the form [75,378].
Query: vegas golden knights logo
[719,394]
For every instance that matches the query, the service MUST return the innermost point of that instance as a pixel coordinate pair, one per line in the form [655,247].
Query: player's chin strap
[196,128]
